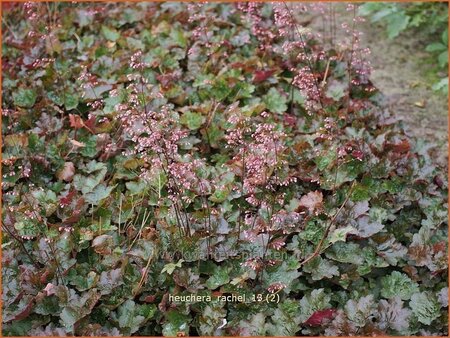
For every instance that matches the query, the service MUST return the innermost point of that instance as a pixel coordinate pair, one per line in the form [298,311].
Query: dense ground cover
[159,150]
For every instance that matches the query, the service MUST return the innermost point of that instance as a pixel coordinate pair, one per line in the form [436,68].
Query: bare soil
[401,72]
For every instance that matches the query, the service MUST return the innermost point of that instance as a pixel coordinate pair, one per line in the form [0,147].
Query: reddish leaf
[290,120]
[45,276]
[227,44]
[237,65]
[75,217]
[25,312]
[167,80]
[66,200]
[90,124]
[162,306]
[439,246]
[318,317]
[262,75]
[150,299]
[358,154]
[8,5]
[438,181]
[76,121]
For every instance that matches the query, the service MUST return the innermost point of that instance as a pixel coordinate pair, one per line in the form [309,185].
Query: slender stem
[305,51]
[319,246]
[24,249]
[242,193]
[50,243]
[349,67]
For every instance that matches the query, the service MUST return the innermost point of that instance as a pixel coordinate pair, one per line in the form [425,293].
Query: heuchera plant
[161,149]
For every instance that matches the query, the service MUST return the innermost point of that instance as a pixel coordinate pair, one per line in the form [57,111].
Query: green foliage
[219,277]
[170,268]
[275,101]
[285,320]
[425,307]
[131,316]
[192,120]
[24,98]
[398,284]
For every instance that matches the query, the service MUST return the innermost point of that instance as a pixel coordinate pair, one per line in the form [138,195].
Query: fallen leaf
[16,140]
[76,121]
[67,172]
[420,104]
[102,244]
[77,144]
[50,289]
[312,201]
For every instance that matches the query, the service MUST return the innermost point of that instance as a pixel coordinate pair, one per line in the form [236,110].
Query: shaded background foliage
[425,20]
[155,149]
